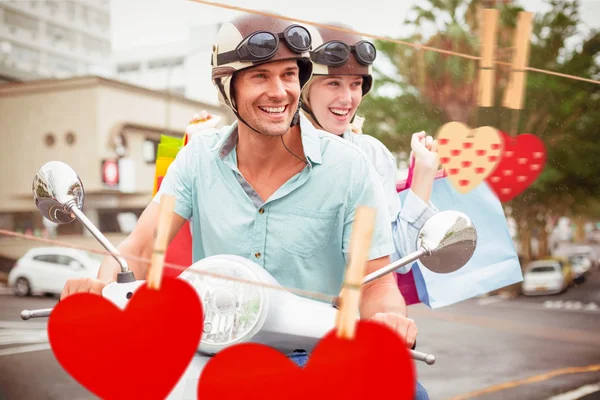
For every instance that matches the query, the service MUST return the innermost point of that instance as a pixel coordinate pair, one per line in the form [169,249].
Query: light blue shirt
[301,234]
[408,218]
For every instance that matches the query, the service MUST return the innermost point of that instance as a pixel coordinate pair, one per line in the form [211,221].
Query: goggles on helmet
[262,45]
[336,53]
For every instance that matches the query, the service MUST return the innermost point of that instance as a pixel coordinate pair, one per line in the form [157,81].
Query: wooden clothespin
[360,244]
[488,24]
[167,205]
[515,93]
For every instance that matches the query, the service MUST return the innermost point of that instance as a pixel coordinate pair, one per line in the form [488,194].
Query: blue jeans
[300,358]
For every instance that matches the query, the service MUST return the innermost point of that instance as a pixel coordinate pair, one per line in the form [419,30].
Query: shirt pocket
[307,231]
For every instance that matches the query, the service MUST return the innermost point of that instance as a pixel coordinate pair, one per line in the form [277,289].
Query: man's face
[267,96]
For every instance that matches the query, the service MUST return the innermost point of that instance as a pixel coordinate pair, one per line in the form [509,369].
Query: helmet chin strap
[295,121]
[313,116]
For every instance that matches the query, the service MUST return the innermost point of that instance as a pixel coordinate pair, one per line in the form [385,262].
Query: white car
[544,277]
[581,266]
[586,252]
[45,270]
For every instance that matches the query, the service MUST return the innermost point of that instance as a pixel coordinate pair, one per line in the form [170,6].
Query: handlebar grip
[27,314]
[428,359]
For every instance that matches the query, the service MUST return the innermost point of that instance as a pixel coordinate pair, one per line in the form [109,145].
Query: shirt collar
[228,140]
[311,140]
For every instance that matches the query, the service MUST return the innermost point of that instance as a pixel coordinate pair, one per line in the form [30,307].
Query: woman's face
[334,100]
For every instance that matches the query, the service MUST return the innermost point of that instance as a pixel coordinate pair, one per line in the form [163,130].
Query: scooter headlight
[233,311]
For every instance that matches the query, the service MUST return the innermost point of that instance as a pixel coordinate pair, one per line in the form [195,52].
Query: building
[181,67]
[89,123]
[54,39]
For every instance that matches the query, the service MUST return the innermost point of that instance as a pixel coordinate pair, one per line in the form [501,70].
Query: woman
[342,76]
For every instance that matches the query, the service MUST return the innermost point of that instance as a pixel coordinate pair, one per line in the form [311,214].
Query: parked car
[45,270]
[581,267]
[548,276]
[586,252]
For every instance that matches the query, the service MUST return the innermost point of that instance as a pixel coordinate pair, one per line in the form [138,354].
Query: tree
[433,89]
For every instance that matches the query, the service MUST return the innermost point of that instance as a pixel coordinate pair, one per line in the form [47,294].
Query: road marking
[22,325]
[577,393]
[20,336]
[490,300]
[571,305]
[551,305]
[24,349]
[532,379]
[526,329]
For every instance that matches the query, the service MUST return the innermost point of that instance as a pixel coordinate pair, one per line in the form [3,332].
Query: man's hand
[405,327]
[82,285]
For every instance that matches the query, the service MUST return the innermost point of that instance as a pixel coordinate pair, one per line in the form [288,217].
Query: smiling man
[271,187]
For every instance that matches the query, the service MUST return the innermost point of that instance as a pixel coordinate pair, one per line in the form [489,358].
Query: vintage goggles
[336,53]
[262,45]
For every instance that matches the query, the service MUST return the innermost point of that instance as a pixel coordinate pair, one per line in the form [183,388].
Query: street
[479,344]
[490,341]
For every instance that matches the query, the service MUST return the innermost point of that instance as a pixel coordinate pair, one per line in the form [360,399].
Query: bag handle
[441,173]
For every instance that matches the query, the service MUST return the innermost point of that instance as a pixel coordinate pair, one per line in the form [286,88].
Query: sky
[150,22]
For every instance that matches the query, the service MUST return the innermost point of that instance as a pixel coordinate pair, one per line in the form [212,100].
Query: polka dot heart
[522,163]
[468,155]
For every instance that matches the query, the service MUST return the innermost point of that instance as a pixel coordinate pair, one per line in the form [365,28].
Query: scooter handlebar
[428,359]
[42,313]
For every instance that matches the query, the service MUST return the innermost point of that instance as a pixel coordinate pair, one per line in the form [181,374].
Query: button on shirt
[301,234]
[408,218]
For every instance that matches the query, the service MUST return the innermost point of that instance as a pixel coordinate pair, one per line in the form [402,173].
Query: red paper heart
[375,365]
[523,160]
[138,353]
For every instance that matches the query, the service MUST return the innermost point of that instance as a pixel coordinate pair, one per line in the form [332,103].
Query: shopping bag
[406,282]
[179,251]
[494,265]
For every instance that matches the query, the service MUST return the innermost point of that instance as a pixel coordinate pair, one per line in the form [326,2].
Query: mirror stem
[72,207]
[397,264]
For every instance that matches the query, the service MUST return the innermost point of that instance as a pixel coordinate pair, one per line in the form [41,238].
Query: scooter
[235,312]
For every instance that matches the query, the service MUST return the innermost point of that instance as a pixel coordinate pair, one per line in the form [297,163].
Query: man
[271,187]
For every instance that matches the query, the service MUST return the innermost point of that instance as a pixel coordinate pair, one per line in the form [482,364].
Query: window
[149,150]
[93,45]
[67,261]
[62,65]
[48,258]
[99,19]
[542,269]
[70,9]
[7,221]
[58,35]
[84,14]
[25,54]
[20,22]
[70,138]
[118,220]
[128,67]
[165,63]
[49,139]
[52,6]
[27,222]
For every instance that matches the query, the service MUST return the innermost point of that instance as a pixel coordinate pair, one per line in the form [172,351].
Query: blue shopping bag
[495,263]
